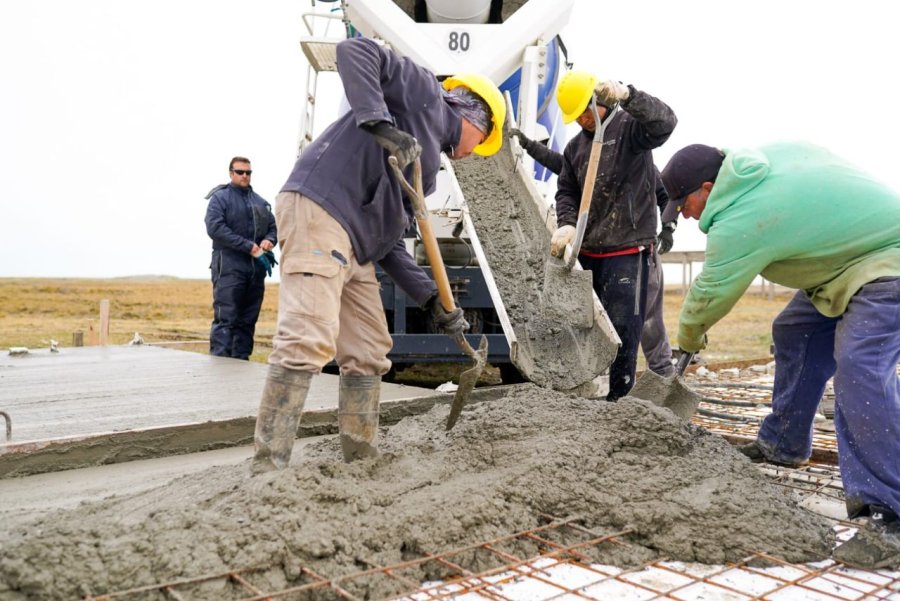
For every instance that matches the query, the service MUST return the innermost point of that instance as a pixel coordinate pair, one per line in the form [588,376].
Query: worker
[804,218]
[621,225]
[242,227]
[341,211]
[654,338]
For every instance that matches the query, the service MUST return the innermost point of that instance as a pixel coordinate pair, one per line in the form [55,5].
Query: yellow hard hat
[490,93]
[574,93]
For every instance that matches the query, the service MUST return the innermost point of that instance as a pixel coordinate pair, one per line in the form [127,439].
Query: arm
[732,261]
[655,120]
[568,192]
[364,65]
[411,278]
[218,229]
[545,155]
[272,232]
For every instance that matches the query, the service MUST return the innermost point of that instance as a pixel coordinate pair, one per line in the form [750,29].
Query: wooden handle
[587,191]
[417,197]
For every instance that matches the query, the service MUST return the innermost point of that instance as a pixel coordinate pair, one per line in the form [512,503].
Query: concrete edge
[58,454]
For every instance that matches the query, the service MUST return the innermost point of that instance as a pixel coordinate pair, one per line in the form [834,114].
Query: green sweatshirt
[800,216]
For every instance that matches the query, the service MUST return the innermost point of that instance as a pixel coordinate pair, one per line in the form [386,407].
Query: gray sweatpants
[654,339]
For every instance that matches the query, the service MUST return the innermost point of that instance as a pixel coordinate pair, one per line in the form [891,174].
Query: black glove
[396,141]
[451,323]
[523,139]
[267,260]
[666,240]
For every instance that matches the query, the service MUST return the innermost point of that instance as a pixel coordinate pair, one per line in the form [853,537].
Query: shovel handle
[683,361]
[590,178]
[432,250]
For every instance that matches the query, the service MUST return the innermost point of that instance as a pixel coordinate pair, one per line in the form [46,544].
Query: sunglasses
[242,171]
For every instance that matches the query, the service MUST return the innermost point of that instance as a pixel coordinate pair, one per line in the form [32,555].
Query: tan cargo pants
[329,306]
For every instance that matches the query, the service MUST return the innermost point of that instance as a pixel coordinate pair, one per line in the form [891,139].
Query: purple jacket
[346,172]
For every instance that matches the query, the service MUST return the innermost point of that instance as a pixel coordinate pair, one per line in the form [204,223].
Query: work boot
[876,544]
[279,415]
[358,416]
[755,453]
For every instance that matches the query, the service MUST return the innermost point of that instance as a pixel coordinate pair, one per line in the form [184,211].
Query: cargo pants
[329,306]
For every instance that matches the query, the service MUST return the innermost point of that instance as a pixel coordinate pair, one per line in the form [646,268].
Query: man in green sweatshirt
[804,218]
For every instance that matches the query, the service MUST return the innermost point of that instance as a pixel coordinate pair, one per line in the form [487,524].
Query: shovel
[670,392]
[467,378]
[572,291]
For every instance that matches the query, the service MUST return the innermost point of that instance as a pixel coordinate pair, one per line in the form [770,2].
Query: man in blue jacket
[342,210]
[242,228]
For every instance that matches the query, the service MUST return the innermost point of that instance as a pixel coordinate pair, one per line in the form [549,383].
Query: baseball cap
[685,172]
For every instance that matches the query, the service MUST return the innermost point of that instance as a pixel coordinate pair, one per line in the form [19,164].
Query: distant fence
[687,259]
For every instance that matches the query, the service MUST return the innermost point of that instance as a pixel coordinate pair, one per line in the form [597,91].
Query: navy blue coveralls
[236,219]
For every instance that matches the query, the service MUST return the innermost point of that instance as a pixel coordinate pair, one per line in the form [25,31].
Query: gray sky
[120,116]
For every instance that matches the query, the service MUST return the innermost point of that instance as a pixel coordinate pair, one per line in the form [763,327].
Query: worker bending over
[340,212]
[621,226]
[804,218]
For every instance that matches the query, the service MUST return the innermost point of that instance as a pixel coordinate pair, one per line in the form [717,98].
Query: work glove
[450,323]
[609,93]
[666,239]
[523,139]
[396,141]
[561,237]
[267,261]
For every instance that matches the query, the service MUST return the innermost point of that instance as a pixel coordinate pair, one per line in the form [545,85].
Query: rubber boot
[358,416]
[279,415]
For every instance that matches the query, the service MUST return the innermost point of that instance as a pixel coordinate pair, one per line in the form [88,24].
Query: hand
[256,252]
[396,141]
[266,245]
[267,261]
[666,240]
[609,93]
[450,323]
[523,139]
[691,346]
[561,237]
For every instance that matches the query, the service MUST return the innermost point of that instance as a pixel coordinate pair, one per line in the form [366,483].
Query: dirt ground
[681,492]
[34,311]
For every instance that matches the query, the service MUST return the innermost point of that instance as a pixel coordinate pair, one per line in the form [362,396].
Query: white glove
[561,237]
[610,93]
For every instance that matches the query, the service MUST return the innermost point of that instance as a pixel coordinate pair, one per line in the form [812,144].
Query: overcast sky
[118,117]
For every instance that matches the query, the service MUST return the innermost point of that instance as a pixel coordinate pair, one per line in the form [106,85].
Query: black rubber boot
[279,415]
[358,416]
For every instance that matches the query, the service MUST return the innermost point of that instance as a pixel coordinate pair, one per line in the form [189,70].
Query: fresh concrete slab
[97,405]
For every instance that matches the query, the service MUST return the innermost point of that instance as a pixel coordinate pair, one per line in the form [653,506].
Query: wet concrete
[554,352]
[631,465]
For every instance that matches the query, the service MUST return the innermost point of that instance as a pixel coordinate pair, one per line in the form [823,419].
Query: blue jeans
[861,349]
[621,285]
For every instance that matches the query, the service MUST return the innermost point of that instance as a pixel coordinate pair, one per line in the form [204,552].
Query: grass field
[35,311]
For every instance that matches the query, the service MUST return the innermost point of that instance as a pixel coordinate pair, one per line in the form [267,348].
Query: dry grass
[34,311]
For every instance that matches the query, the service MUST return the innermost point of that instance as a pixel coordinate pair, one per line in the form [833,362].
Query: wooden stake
[104,322]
